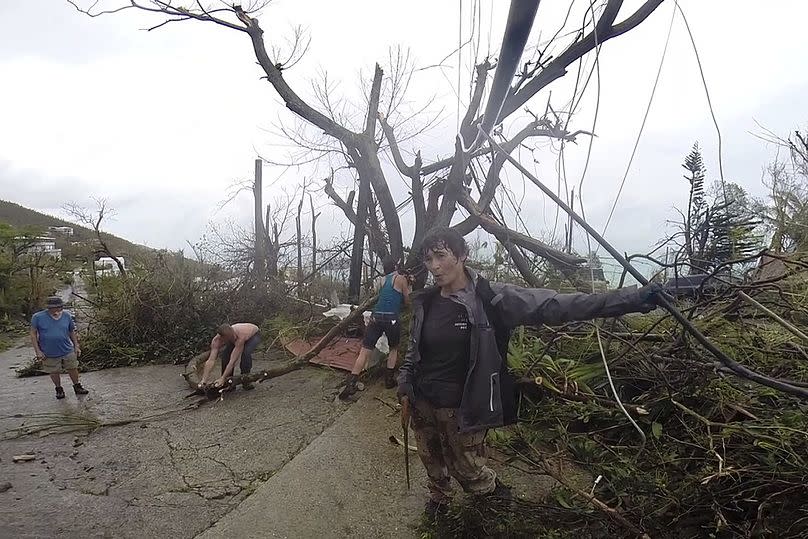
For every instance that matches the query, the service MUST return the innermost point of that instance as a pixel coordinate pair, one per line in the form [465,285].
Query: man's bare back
[234,336]
[244,330]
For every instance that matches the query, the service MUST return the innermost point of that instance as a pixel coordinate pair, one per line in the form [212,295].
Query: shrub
[168,309]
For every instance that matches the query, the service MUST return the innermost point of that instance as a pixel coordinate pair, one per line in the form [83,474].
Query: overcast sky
[162,122]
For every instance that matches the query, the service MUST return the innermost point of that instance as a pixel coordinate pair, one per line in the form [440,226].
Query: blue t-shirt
[54,335]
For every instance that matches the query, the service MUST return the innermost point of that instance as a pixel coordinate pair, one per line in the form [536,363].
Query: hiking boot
[350,387]
[390,379]
[60,392]
[79,389]
[248,385]
[434,509]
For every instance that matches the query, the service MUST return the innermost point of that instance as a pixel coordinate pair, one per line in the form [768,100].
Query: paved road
[348,483]
[173,473]
[285,460]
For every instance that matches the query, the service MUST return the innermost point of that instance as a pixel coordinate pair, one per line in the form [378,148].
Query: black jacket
[494,309]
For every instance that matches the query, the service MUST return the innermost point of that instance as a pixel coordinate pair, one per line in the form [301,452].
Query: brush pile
[705,454]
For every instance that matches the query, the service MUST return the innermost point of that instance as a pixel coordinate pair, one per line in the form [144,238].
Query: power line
[644,119]
[459,47]
[589,241]
[709,101]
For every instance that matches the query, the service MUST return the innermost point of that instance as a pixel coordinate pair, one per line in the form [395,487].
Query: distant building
[106,266]
[62,230]
[40,245]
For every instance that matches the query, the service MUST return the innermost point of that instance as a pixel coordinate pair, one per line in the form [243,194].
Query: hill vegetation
[24,218]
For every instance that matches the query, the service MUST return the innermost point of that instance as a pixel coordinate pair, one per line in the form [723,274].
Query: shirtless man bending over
[233,343]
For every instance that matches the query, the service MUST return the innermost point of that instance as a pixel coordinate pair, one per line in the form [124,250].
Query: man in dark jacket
[455,374]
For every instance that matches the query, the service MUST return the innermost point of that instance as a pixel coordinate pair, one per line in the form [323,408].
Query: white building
[107,266]
[43,245]
[63,230]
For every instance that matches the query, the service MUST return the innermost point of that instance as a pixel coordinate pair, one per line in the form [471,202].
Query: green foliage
[286,327]
[25,278]
[721,457]
[696,172]
[480,517]
[166,311]
[718,230]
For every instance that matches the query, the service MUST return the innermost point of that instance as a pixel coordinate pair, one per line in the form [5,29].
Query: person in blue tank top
[384,320]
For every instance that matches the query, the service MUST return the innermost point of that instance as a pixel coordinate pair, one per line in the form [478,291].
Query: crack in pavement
[176,465]
[213,489]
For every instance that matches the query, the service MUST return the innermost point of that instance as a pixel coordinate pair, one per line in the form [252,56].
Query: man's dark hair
[224,329]
[444,238]
[389,264]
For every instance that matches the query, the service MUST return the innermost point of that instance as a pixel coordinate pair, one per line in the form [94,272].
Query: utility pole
[259,263]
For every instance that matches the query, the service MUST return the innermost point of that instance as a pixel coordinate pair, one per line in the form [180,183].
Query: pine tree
[720,229]
[733,227]
[696,226]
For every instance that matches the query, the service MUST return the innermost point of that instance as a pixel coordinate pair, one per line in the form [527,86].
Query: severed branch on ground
[195,365]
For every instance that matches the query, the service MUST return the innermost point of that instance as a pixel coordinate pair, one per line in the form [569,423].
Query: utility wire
[589,241]
[644,119]
[709,101]
[459,47]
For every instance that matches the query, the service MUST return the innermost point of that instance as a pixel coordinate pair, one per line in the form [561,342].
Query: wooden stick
[774,316]
[609,511]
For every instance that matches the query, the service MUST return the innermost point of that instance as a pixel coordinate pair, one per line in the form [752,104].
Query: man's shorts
[379,324]
[52,365]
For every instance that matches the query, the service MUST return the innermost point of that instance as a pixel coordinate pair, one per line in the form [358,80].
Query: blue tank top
[390,299]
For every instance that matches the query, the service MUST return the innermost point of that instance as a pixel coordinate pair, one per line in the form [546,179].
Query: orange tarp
[340,353]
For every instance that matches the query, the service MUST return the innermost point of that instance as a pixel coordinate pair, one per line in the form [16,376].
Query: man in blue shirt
[56,343]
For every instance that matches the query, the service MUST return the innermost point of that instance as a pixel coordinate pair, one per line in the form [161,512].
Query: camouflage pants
[446,452]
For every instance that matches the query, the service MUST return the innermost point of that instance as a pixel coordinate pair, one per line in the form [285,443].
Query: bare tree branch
[506,235]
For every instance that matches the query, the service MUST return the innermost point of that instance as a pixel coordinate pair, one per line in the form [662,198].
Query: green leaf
[656,429]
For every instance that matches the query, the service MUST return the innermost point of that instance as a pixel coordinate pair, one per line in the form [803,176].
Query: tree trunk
[260,258]
[368,164]
[300,245]
[194,366]
[273,245]
[357,251]
[314,217]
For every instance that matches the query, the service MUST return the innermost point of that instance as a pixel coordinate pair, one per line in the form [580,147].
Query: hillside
[20,217]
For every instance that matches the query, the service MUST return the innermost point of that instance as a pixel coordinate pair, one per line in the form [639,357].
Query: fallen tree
[195,365]
[711,454]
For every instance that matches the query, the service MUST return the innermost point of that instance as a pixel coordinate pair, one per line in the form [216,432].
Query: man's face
[444,266]
[54,311]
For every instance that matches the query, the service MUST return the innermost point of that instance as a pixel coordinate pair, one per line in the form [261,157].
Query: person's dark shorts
[245,365]
[387,324]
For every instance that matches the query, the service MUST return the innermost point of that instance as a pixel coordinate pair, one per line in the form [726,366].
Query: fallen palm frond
[47,423]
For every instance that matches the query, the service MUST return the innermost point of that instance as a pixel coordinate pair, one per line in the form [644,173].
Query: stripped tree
[94,220]
[438,188]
